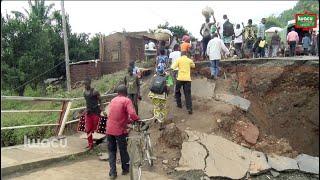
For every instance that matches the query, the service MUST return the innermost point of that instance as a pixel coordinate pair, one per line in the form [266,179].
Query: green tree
[272,21]
[27,50]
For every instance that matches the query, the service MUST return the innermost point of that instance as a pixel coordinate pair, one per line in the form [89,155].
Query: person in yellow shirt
[261,48]
[184,64]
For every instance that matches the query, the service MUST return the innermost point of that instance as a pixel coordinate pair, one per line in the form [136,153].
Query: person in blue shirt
[306,42]
[162,60]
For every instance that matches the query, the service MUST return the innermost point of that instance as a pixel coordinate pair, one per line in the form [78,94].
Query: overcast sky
[109,16]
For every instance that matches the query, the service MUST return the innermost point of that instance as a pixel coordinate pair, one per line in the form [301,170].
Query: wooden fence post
[65,117]
[63,110]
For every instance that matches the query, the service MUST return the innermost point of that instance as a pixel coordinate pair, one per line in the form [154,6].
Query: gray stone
[281,163]
[240,102]
[165,162]
[226,159]
[104,156]
[192,157]
[202,88]
[258,163]
[274,173]
[308,163]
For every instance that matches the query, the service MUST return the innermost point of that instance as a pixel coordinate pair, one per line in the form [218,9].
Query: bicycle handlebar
[148,119]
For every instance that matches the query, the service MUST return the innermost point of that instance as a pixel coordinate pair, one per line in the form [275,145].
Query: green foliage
[272,21]
[12,137]
[32,43]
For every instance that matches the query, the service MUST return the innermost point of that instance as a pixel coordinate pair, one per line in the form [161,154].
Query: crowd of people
[244,41]
[176,60]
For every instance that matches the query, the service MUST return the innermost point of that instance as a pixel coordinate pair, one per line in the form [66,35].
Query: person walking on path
[121,113]
[261,48]
[215,48]
[260,35]
[158,94]
[293,39]
[173,57]
[184,64]
[249,36]
[238,40]
[206,34]
[275,43]
[132,83]
[228,31]
[93,110]
[306,43]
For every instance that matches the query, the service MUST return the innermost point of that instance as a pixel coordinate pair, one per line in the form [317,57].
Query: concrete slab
[258,163]
[226,159]
[281,163]
[80,170]
[17,158]
[96,136]
[308,163]
[192,156]
[240,102]
[194,135]
[202,88]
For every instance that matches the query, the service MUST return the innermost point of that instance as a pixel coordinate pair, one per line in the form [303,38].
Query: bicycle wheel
[148,150]
[135,159]
[135,171]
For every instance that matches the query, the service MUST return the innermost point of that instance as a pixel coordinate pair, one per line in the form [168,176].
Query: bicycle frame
[144,149]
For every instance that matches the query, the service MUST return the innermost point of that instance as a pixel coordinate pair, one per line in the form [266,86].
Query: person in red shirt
[121,113]
[93,111]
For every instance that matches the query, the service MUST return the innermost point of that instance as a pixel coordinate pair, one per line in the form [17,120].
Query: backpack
[132,84]
[228,29]
[158,85]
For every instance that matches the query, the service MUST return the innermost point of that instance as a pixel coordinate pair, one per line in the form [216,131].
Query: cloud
[108,16]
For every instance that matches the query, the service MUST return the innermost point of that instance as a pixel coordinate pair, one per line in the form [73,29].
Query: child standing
[261,47]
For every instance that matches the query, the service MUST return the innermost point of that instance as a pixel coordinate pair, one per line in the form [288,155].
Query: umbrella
[273,29]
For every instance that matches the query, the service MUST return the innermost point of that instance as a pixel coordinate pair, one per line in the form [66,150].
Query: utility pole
[66,50]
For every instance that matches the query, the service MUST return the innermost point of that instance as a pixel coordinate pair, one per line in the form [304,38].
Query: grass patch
[16,136]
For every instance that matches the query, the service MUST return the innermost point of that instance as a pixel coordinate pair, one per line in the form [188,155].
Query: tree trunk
[21,90]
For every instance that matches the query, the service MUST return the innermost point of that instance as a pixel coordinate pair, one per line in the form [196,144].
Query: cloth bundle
[207,12]
[163,34]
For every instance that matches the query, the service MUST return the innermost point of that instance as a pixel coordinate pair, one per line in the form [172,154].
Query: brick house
[116,51]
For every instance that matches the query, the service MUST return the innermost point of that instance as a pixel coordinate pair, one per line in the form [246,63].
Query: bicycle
[140,149]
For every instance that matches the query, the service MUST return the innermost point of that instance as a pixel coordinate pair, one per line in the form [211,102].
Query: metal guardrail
[64,112]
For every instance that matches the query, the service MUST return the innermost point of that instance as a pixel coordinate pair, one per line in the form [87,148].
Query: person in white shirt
[151,45]
[176,54]
[214,50]
[238,40]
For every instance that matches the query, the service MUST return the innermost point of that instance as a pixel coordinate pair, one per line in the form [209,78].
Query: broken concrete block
[202,88]
[281,163]
[274,173]
[308,163]
[240,102]
[226,159]
[192,157]
[258,163]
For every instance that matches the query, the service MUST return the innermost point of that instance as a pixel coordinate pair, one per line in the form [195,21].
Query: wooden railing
[66,104]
